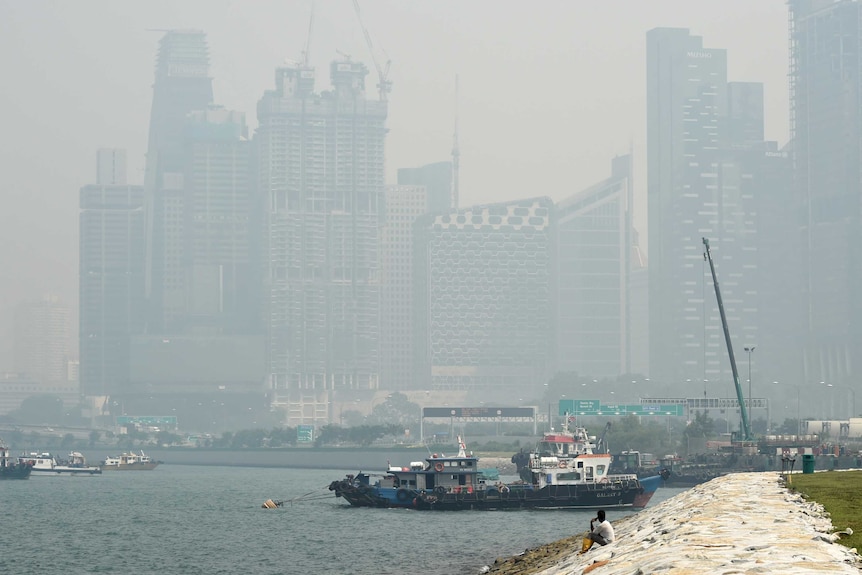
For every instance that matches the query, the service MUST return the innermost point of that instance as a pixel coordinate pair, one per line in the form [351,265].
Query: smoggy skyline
[548,95]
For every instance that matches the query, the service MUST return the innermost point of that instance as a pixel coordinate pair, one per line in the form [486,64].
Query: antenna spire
[456,152]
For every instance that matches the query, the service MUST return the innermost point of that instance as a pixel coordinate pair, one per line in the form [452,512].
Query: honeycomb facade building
[484,276]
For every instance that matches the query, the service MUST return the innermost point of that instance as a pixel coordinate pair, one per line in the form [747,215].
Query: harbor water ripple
[187,520]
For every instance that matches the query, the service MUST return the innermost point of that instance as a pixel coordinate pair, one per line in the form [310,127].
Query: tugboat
[47,464]
[9,468]
[575,481]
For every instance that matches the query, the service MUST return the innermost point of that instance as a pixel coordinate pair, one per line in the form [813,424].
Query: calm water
[189,519]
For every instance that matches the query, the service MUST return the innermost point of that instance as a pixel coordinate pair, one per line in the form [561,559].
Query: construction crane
[307,51]
[746,428]
[383,84]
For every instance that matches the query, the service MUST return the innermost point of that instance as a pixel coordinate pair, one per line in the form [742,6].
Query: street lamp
[852,397]
[798,418]
[749,351]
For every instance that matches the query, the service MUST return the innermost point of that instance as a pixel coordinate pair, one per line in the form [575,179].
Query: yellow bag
[587,543]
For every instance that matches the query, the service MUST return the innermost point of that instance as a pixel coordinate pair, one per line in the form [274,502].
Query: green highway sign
[304,433]
[577,406]
[594,407]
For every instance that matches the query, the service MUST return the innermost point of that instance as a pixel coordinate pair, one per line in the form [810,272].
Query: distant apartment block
[592,265]
[485,277]
[321,169]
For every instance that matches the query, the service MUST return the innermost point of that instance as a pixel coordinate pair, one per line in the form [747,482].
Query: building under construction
[321,170]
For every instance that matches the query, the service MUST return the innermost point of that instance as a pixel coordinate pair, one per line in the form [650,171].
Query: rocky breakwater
[738,523]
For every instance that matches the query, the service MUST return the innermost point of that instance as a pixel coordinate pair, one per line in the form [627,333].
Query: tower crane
[307,51]
[746,428]
[383,84]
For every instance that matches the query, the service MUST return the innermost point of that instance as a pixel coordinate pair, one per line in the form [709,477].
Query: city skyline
[109,104]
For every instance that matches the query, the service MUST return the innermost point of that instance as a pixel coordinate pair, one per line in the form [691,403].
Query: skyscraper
[698,188]
[219,210]
[111,282]
[321,168]
[826,115]
[404,206]
[592,269]
[203,335]
[182,85]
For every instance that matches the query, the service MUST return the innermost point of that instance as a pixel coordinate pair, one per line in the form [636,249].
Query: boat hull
[583,496]
[131,467]
[63,470]
[16,472]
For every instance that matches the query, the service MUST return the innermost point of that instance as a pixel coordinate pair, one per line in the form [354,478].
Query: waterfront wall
[738,523]
[298,458]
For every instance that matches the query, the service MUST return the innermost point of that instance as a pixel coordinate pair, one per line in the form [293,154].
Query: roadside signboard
[304,433]
[595,407]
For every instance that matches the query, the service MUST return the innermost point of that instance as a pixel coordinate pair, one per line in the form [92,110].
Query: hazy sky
[550,91]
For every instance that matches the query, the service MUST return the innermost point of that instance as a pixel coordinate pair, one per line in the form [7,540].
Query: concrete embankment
[739,523]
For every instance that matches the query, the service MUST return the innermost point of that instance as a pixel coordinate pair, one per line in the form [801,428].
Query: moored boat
[575,481]
[10,468]
[47,464]
[129,462]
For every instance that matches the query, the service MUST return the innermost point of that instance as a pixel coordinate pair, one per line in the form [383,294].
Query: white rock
[737,523]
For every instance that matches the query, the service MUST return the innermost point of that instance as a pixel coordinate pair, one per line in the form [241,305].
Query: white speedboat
[47,464]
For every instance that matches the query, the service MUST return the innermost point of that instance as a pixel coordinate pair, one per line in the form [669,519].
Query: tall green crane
[746,428]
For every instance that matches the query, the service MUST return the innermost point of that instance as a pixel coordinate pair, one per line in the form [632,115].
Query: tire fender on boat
[438,466]
[440,490]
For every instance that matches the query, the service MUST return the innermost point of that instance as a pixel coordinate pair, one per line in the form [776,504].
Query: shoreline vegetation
[839,493]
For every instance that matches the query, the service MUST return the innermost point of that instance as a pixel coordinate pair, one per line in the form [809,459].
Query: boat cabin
[436,473]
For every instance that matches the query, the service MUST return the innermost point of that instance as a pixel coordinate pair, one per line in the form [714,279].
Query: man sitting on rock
[601,533]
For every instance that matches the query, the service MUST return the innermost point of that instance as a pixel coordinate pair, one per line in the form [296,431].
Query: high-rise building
[437,179]
[219,210]
[594,242]
[698,187]
[203,337]
[485,277]
[404,206]
[215,342]
[42,330]
[826,114]
[111,284]
[321,168]
[182,85]
[111,167]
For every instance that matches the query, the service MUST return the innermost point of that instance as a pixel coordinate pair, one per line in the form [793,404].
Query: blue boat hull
[633,494]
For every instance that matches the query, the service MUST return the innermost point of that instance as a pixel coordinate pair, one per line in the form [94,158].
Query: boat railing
[621,477]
